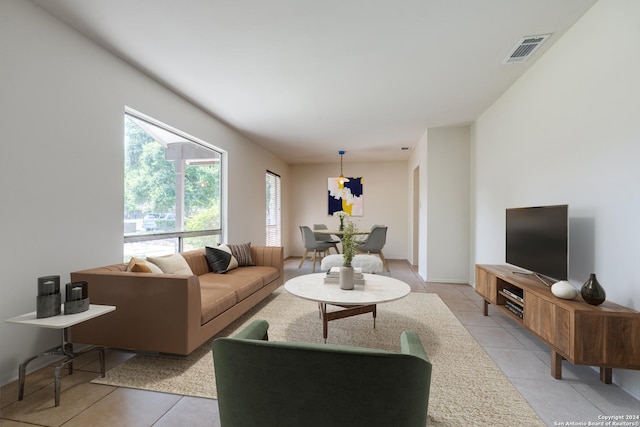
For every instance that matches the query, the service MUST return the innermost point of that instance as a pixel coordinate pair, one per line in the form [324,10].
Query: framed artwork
[347,197]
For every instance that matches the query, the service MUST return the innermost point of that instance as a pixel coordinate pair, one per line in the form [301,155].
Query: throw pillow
[172,264]
[220,259]
[242,253]
[139,265]
[140,268]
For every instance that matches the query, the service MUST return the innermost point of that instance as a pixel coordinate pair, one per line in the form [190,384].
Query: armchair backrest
[301,384]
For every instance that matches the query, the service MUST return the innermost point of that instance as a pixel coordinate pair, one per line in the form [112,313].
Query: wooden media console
[605,335]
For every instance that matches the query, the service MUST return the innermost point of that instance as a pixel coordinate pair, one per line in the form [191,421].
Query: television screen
[537,239]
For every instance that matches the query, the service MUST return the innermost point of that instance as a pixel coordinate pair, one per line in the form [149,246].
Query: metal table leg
[64,349]
[22,369]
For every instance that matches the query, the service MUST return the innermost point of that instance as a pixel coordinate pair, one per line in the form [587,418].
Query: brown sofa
[170,313]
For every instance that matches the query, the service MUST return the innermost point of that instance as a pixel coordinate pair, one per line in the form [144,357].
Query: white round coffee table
[362,299]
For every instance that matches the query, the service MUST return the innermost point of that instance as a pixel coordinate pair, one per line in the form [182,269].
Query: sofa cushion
[242,285]
[266,274]
[220,259]
[139,265]
[214,300]
[197,261]
[172,264]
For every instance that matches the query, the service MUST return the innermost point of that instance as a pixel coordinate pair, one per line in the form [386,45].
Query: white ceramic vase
[564,290]
[346,277]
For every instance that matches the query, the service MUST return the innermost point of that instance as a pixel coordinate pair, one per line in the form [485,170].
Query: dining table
[340,233]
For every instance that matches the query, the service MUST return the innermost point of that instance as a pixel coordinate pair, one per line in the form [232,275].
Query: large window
[273,209]
[172,190]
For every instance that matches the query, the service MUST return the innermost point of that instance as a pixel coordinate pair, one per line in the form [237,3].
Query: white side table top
[62,321]
[376,289]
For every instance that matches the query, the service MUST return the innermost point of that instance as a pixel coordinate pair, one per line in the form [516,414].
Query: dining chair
[323,237]
[311,244]
[375,242]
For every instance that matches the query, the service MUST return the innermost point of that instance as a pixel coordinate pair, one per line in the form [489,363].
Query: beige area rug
[467,388]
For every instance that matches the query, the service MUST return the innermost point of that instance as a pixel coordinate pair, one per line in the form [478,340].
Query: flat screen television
[537,239]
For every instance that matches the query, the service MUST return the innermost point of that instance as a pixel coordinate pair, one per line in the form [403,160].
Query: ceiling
[306,78]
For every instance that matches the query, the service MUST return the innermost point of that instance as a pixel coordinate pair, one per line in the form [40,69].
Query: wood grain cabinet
[606,335]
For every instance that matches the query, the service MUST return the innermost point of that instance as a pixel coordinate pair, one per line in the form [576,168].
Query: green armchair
[280,384]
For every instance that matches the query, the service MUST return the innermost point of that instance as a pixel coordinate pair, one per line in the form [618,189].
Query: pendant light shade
[341,178]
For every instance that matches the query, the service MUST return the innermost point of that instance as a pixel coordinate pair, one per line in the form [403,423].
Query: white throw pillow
[172,264]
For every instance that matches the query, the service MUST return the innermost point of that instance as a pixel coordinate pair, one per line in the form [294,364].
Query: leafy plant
[349,243]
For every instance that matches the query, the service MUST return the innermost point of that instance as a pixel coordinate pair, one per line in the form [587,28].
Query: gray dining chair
[375,242]
[322,237]
[311,244]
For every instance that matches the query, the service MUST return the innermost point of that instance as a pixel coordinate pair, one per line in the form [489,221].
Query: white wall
[418,160]
[569,132]
[448,208]
[386,197]
[443,158]
[61,114]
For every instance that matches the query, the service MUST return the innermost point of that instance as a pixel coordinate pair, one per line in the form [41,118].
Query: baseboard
[453,282]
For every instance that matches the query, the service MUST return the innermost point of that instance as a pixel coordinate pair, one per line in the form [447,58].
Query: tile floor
[579,397]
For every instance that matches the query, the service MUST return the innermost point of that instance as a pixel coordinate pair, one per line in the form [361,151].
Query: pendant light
[341,178]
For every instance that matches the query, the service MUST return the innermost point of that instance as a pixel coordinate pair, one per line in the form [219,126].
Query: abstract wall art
[347,197]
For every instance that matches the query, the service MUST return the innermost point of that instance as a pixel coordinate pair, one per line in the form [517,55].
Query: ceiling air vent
[525,48]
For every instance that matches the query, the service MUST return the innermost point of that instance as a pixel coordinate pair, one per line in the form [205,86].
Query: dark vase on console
[592,292]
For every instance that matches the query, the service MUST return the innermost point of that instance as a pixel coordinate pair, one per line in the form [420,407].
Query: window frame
[277,180]
[181,235]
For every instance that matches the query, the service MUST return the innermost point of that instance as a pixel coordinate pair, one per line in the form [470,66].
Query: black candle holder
[49,299]
[76,297]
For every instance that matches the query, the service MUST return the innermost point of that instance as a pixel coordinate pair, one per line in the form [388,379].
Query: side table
[62,322]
